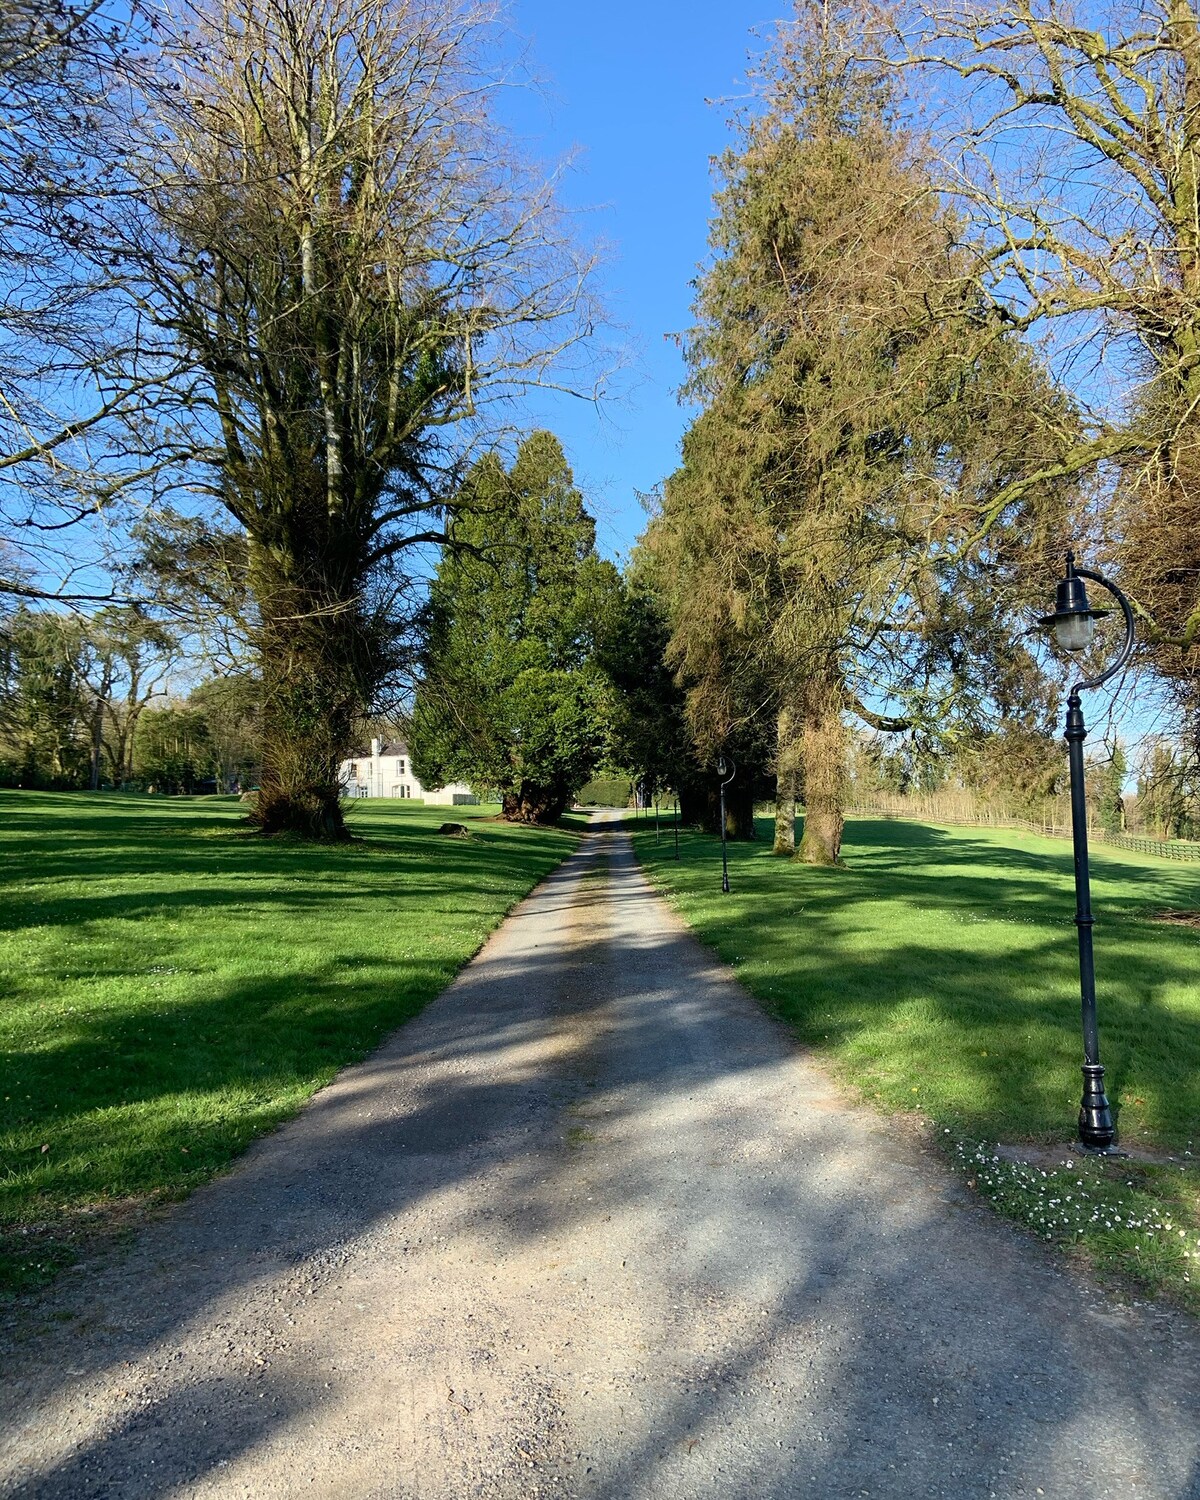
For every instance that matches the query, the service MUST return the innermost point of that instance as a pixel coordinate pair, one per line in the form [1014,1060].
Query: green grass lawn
[939,971]
[172,985]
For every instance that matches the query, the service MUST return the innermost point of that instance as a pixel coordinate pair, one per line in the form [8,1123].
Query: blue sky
[625,85]
[624,90]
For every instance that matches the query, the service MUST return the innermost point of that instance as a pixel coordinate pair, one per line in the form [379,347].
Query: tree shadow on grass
[200,1077]
[137,865]
[945,968]
[122,1025]
[1030,866]
[815,1328]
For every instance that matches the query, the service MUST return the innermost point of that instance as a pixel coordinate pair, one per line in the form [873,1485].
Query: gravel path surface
[591,1226]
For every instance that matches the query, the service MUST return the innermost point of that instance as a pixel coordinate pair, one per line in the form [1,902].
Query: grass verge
[938,970]
[173,985]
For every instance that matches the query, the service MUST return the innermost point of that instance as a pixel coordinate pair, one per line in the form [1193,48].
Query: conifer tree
[829,535]
[512,697]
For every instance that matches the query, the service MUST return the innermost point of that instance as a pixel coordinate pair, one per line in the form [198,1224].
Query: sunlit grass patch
[1130,1218]
[938,970]
[173,985]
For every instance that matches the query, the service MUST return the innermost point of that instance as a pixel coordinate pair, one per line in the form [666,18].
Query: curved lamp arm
[732,764]
[1126,650]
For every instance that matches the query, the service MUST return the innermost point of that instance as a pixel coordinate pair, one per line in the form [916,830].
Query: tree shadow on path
[736,1284]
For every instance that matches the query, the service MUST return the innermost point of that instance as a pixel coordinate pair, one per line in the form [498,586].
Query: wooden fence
[1164,848]
[1049,827]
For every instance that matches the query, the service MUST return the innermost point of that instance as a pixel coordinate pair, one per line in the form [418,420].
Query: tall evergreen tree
[512,697]
[831,538]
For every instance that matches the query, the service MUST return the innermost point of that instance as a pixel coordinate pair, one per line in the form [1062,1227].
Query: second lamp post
[726,770]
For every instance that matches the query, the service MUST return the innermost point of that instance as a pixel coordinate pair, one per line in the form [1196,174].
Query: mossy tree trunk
[822,752]
[319,666]
[534,804]
[325,238]
[786,774]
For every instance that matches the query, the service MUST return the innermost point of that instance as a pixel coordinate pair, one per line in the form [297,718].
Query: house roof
[386,747]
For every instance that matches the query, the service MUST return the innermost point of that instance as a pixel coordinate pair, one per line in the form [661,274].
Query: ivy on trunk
[335,258]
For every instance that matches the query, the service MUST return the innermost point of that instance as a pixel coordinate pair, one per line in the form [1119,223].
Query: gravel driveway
[591,1226]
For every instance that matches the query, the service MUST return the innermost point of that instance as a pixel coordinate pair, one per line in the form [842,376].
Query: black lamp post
[1073,624]
[727,769]
[676,827]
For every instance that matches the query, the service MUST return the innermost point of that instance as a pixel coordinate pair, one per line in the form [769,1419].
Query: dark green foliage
[73,691]
[172,751]
[513,698]
[230,708]
[651,736]
[606,791]
[46,710]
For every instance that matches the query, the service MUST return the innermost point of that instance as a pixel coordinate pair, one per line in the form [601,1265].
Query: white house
[388,772]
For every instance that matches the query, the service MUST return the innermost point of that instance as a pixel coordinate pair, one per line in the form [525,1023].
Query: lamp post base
[1096,1129]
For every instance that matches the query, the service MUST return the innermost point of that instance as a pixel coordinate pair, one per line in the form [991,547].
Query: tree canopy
[513,697]
[1071,145]
[831,540]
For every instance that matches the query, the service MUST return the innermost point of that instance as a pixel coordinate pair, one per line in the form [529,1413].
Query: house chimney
[374,749]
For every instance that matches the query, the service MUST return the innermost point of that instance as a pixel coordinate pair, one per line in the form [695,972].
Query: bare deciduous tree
[61,73]
[1074,147]
[126,660]
[337,262]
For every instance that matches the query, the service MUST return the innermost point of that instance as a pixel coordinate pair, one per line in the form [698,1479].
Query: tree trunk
[315,655]
[123,727]
[786,768]
[97,725]
[305,732]
[534,804]
[693,803]
[739,812]
[103,693]
[823,762]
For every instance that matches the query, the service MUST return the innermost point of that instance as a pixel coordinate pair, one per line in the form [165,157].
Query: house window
[400,766]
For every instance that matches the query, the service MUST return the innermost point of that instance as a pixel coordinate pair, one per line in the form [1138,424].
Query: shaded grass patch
[172,985]
[938,969]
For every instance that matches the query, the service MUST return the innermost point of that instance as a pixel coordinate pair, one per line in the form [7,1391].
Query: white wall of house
[388,772]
